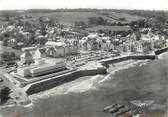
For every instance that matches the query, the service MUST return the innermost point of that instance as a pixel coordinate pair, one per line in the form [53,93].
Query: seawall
[160,51]
[127,57]
[56,81]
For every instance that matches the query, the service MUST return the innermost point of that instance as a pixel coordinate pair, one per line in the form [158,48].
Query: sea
[86,97]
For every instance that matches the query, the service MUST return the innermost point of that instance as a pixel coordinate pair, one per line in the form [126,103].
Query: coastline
[90,69]
[163,55]
[79,86]
[84,84]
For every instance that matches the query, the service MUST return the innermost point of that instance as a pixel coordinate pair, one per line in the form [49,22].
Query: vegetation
[138,24]
[69,16]
[4,94]
[122,19]
[96,21]
[157,20]
[87,19]
[80,24]
[8,56]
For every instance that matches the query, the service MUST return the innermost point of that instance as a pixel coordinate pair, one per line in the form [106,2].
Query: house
[30,49]
[91,41]
[55,49]
[71,50]
[83,44]
[26,58]
[105,43]
[12,43]
[133,37]
[72,46]
[92,44]
[38,63]
[40,53]
[60,49]
[138,46]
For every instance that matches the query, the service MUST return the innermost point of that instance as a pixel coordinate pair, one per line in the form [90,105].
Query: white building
[60,49]
[45,66]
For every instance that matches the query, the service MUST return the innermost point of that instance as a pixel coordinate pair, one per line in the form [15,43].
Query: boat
[113,110]
[122,111]
[109,107]
[116,108]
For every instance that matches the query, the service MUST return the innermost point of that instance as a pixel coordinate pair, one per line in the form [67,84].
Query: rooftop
[29,48]
[52,43]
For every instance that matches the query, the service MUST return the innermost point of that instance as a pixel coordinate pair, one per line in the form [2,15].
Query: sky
[100,4]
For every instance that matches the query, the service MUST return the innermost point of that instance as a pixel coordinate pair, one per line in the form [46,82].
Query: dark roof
[42,50]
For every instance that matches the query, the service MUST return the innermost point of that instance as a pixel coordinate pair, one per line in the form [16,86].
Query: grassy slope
[112,28]
[127,16]
[68,18]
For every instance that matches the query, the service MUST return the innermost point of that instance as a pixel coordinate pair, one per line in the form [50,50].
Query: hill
[69,17]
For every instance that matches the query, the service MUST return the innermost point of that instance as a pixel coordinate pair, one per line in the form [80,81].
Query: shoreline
[89,81]
[84,84]
[80,85]
[88,70]
[69,88]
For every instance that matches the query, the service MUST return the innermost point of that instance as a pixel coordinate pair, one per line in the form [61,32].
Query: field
[68,18]
[112,28]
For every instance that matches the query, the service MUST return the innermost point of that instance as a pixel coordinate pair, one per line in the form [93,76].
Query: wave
[144,63]
[121,67]
[30,105]
[163,55]
[76,86]
[85,85]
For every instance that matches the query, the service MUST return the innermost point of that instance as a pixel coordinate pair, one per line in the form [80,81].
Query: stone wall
[160,51]
[52,82]
[124,58]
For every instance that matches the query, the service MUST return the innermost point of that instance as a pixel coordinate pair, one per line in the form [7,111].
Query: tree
[41,40]
[96,21]
[122,19]
[6,16]
[5,42]
[5,56]
[137,24]
[4,94]
[141,23]
[138,35]
[12,56]
[80,23]
[146,47]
